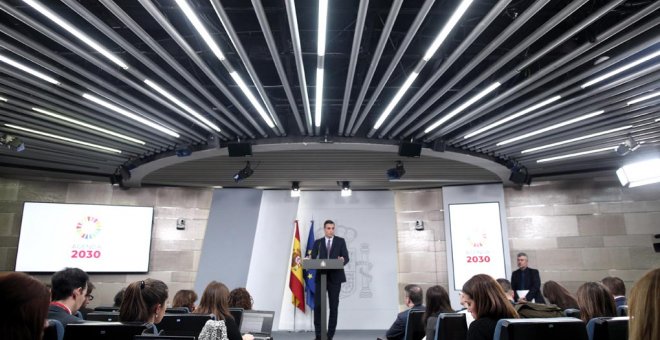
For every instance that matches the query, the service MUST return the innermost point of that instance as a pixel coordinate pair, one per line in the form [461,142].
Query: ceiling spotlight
[11,142]
[243,173]
[345,188]
[628,146]
[397,171]
[295,189]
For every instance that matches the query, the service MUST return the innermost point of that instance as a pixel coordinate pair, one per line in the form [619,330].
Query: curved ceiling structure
[326,90]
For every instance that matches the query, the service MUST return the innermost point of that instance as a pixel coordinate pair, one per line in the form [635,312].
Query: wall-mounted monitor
[94,238]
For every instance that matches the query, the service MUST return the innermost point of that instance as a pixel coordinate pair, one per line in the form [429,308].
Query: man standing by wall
[330,247]
[526,278]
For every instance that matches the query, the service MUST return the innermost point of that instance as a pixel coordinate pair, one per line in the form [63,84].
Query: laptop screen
[257,322]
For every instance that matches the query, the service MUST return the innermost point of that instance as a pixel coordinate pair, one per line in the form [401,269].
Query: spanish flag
[296,277]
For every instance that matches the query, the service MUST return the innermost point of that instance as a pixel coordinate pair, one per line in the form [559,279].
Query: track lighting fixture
[243,173]
[295,189]
[11,142]
[345,188]
[397,171]
[628,146]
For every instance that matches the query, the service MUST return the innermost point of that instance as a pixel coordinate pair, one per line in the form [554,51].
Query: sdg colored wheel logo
[88,228]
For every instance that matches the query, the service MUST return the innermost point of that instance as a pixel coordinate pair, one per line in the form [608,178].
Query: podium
[322,266]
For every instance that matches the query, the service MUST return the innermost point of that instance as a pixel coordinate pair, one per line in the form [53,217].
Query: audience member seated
[215,300]
[185,298]
[240,298]
[617,288]
[559,295]
[437,301]
[644,307]
[413,299]
[468,316]
[24,302]
[595,300]
[84,310]
[119,297]
[508,291]
[487,303]
[69,287]
[144,302]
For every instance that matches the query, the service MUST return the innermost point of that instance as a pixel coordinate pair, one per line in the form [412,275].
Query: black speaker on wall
[239,149]
[407,149]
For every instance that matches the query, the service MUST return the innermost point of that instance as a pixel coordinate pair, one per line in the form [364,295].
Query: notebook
[258,323]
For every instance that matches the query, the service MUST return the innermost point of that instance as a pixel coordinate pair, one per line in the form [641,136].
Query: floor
[340,335]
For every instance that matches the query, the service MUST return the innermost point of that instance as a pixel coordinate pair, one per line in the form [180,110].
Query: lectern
[322,267]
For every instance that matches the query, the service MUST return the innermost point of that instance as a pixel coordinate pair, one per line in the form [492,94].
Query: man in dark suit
[68,295]
[413,299]
[526,278]
[330,247]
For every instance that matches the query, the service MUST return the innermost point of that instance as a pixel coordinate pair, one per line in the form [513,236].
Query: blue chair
[54,331]
[608,328]
[415,329]
[540,329]
[450,326]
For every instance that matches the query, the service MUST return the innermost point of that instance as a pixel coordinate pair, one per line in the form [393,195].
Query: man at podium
[329,247]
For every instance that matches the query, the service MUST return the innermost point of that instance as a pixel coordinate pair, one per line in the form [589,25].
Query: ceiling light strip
[90,126]
[551,127]
[513,116]
[396,99]
[463,106]
[130,115]
[453,20]
[181,104]
[3,99]
[323,14]
[190,14]
[577,154]
[28,69]
[643,98]
[547,146]
[77,33]
[252,99]
[620,69]
[46,134]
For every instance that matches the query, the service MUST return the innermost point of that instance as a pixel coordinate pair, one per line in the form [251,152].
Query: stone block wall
[174,253]
[573,231]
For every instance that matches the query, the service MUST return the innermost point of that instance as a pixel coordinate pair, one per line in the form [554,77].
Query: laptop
[258,323]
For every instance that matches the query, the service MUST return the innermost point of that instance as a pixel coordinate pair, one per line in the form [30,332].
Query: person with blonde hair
[594,301]
[185,298]
[215,300]
[644,307]
[487,303]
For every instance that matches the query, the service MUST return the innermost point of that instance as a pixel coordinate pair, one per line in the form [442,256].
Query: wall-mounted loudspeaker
[407,149]
[239,149]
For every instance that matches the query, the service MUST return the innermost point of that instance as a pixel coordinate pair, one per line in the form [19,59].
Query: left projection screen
[94,238]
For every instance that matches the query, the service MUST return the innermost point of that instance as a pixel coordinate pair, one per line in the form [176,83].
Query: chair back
[450,326]
[106,309]
[608,328]
[54,331]
[103,316]
[183,324]
[572,313]
[415,329]
[163,337]
[622,310]
[102,331]
[540,329]
[237,313]
[177,310]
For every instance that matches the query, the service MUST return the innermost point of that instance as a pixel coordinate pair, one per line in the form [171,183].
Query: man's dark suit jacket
[531,282]
[398,329]
[60,314]
[338,249]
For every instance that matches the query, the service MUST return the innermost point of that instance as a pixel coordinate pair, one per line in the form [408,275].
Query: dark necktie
[328,246]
